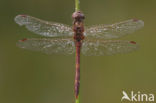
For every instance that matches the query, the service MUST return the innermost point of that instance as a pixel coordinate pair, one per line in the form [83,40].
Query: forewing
[44,28]
[107,47]
[115,30]
[48,46]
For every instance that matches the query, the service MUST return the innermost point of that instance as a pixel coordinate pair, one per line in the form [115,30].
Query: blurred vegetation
[34,77]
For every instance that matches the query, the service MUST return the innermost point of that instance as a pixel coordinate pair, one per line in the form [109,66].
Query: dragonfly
[93,40]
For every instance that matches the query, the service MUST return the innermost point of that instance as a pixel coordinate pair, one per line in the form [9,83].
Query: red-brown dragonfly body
[93,41]
[78,30]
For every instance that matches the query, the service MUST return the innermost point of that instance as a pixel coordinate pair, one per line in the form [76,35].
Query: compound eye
[78,15]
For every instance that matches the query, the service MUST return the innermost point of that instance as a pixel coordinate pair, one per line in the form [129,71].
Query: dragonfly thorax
[78,27]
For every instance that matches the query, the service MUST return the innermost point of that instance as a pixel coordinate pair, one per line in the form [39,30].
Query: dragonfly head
[78,15]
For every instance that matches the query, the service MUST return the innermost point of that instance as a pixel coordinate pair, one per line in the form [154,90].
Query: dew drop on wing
[48,45]
[107,47]
[44,28]
[115,30]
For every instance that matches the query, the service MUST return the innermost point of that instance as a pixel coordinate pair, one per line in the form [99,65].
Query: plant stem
[78,100]
[77,5]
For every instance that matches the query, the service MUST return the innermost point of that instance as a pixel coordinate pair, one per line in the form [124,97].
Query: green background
[34,77]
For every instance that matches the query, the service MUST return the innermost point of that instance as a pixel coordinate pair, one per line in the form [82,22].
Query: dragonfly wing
[115,30]
[44,28]
[107,47]
[48,46]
